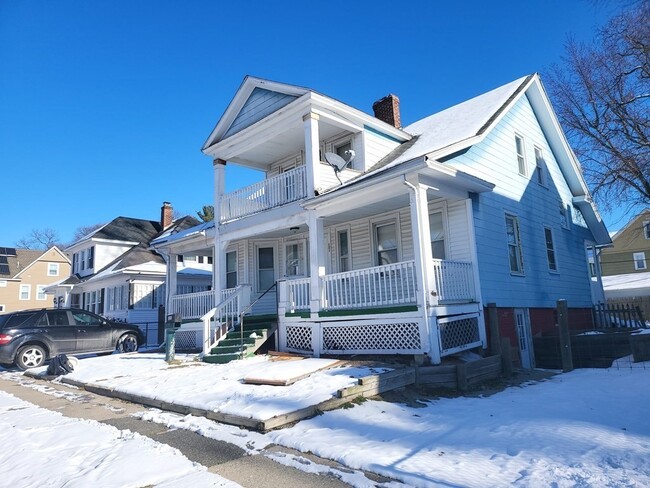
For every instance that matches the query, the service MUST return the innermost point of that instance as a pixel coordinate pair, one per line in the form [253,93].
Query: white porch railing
[272,192]
[192,305]
[298,294]
[221,319]
[381,286]
[454,281]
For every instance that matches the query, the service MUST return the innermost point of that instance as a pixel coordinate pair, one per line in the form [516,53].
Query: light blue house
[368,238]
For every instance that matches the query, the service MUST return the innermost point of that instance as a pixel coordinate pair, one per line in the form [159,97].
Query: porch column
[312,156]
[171,278]
[419,207]
[219,187]
[219,266]
[316,262]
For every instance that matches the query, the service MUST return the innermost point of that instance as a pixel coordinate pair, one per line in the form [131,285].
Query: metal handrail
[241,318]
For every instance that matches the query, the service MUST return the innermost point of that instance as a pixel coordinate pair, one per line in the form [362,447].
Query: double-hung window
[343,247]
[40,293]
[550,249]
[540,174]
[639,261]
[521,154]
[646,229]
[231,269]
[437,232]
[25,292]
[53,269]
[515,255]
[386,244]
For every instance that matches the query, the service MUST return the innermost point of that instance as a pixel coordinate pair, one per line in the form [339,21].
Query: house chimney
[166,212]
[387,110]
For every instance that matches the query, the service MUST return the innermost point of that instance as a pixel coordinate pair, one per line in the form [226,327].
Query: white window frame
[334,144]
[236,271]
[550,250]
[39,292]
[640,262]
[53,269]
[276,267]
[28,288]
[646,229]
[443,210]
[519,252]
[379,222]
[522,166]
[302,263]
[337,248]
[540,167]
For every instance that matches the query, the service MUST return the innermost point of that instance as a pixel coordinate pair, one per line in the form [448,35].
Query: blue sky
[104,106]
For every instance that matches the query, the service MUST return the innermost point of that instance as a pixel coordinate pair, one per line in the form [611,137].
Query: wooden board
[283,373]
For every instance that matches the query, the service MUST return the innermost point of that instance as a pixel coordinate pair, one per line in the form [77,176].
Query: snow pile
[45,448]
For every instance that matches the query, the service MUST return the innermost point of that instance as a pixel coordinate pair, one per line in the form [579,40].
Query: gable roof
[643,214]
[21,261]
[249,96]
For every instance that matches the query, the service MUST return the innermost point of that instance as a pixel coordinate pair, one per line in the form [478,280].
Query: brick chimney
[387,110]
[166,212]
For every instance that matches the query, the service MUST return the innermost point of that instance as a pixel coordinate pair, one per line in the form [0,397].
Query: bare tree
[40,239]
[84,230]
[601,93]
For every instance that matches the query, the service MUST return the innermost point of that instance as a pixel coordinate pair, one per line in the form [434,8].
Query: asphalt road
[227,460]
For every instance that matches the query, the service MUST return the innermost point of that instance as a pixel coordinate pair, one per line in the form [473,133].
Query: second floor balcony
[276,191]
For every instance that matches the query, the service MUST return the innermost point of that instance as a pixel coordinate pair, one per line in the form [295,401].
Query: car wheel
[127,343]
[30,356]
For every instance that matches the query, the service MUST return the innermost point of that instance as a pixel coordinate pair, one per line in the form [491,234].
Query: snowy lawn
[44,448]
[586,428]
[217,387]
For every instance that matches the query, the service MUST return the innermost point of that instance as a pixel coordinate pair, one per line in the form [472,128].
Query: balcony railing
[454,281]
[298,294]
[272,192]
[381,286]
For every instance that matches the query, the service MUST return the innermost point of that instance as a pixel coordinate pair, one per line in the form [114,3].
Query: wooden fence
[460,376]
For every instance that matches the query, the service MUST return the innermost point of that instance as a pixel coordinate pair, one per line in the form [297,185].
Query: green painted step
[227,349]
[235,341]
[220,358]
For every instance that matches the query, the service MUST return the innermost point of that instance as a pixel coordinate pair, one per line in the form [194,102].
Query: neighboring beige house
[24,273]
[631,250]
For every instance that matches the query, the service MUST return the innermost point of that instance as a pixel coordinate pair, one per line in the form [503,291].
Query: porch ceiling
[290,140]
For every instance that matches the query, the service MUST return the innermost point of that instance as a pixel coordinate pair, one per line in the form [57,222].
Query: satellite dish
[337,162]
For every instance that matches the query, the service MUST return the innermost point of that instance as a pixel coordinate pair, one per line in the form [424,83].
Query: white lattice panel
[458,333]
[299,338]
[392,337]
[188,339]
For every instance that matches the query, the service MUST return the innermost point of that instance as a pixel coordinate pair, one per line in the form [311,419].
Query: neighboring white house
[399,249]
[115,274]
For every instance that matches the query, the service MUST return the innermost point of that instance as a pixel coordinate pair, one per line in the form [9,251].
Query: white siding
[376,147]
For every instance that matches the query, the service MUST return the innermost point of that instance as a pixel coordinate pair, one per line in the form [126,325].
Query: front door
[526,354]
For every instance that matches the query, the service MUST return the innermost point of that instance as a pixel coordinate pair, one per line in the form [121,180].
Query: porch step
[230,348]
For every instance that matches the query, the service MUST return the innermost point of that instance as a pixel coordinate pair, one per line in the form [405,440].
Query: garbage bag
[60,365]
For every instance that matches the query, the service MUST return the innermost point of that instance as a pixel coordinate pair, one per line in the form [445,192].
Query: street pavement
[225,459]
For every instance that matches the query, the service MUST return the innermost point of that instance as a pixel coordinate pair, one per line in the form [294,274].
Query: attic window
[521,154]
[646,229]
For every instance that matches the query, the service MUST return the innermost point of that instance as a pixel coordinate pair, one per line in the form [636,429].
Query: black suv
[29,337]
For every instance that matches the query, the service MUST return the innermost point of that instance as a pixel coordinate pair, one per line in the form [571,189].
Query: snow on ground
[213,387]
[44,448]
[589,427]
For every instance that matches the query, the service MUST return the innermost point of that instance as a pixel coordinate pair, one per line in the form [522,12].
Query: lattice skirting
[458,333]
[299,338]
[189,339]
[356,337]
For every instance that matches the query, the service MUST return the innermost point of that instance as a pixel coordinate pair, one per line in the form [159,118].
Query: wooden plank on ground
[276,374]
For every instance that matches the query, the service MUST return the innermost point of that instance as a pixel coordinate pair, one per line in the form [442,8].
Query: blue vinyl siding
[260,103]
[536,206]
